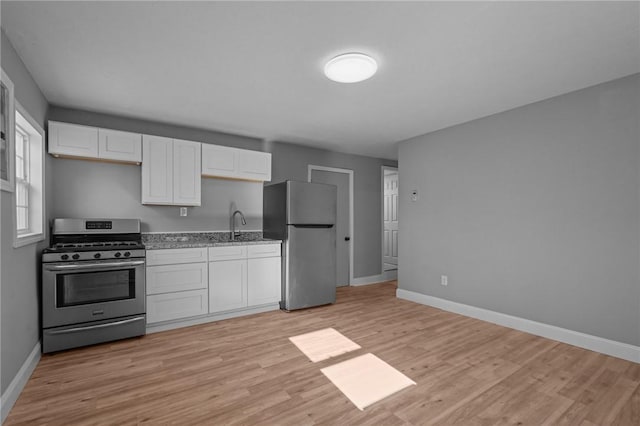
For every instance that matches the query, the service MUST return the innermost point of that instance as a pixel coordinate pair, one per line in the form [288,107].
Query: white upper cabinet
[234,163]
[170,171]
[219,161]
[254,165]
[157,170]
[73,140]
[120,146]
[186,173]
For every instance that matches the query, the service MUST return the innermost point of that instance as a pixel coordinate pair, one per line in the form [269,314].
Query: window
[29,179]
[22,180]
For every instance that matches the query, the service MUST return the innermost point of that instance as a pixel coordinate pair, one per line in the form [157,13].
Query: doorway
[343,180]
[390,222]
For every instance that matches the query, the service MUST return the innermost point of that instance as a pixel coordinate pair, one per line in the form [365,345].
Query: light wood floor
[245,371]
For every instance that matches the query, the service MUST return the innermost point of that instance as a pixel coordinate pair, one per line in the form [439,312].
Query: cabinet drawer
[172,306]
[263,250]
[227,253]
[172,278]
[174,256]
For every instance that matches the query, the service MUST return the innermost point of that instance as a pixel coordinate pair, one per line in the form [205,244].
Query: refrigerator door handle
[312,226]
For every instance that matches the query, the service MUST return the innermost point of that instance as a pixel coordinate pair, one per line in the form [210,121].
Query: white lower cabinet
[264,284]
[173,306]
[177,284]
[193,282]
[227,285]
[244,276]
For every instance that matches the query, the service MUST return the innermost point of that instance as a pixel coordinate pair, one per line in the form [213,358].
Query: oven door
[78,292]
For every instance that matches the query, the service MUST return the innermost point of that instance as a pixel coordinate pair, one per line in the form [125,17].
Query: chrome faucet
[233,224]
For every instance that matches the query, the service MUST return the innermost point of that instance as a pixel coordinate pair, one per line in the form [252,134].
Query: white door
[391,218]
[343,233]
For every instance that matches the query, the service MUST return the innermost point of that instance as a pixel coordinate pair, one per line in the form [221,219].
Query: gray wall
[534,212]
[20,267]
[291,162]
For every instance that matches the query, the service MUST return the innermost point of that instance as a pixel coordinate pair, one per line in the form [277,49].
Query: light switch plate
[183,211]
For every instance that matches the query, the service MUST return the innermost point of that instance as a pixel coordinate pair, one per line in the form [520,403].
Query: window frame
[8,185]
[37,214]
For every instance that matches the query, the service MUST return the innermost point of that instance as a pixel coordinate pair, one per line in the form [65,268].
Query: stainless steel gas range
[93,283]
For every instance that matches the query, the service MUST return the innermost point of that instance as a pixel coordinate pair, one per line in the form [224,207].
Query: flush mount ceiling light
[350,68]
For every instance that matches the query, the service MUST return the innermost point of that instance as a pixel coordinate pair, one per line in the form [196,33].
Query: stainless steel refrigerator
[303,215]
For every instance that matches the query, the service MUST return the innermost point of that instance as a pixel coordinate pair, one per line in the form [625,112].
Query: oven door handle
[95,327]
[93,265]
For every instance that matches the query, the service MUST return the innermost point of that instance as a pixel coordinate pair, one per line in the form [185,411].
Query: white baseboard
[375,279]
[575,338]
[170,325]
[10,396]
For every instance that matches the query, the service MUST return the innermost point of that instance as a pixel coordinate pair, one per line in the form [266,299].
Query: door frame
[349,172]
[382,170]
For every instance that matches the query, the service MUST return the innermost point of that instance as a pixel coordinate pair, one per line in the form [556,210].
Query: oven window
[94,287]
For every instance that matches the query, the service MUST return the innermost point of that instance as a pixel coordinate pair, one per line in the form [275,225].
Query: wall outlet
[183,211]
[444,280]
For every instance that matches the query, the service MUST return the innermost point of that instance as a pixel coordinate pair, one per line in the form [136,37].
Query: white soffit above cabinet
[256,68]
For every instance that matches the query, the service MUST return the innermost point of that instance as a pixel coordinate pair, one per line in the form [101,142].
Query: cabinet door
[227,285]
[172,306]
[173,278]
[73,140]
[219,161]
[254,165]
[120,146]
[264,284]
[186,173]
[157,170]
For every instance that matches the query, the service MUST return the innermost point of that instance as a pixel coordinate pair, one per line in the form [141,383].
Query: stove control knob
[76,256]
[97,255]
[127,254]
[64,257]
[118,254]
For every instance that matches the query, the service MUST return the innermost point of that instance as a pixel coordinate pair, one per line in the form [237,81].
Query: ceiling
[255,68]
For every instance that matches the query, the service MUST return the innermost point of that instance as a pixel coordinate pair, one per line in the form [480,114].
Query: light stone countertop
[175,240]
